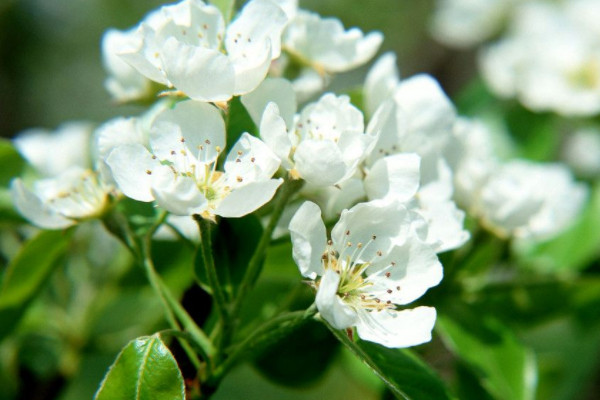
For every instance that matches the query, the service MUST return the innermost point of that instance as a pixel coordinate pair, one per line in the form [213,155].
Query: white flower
[415,119]
[324,44]
[326,143]
[581,151]
[179,172]
[549,61]
[181,46]
[53,152]
[371,265]
[529,200]
[124,82]
[465,23]
[54,203]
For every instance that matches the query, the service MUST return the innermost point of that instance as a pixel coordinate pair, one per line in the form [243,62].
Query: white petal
[330,306]
[381,81]
[429,111]
[140,54]
[397,329]
[52,152]
[251,67]
[201,73]
[309,239]
[412,267]
[320,162]
[116,132]
[251,159]
[178,194]
[202,130]
[130,164]
[32,208]
[248,198]
[445,225]
[385,220]
[259,21]
[273,132]
[276,90]
[395,177]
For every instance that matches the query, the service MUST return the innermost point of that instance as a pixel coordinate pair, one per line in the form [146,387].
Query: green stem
[209,265]
[268,333]
[172,303]
[285,192]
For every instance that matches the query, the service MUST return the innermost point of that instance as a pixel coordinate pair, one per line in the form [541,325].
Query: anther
[362,297]
[393,263]
[153,157]
[173,152]
[379,253]
[387,274]
[330,242]
[388,302]
[348,232]
[149,172]
[359,245]
[373,237]
[182,140]
[239,153]
[377,301]
[207,141]
[397,287]
[218,149]
[252,159]
[239,179]
[238,160]
[389,291]
[349,244]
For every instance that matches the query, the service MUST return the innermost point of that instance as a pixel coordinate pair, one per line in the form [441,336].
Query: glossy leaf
[144,370]
[404,374]
[506,368]
[26,274]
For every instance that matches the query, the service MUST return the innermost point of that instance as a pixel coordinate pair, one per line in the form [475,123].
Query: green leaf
[27,273]
[8,212]
[144,370]
[506,368]
[405,375]
[227,7]
[11,161]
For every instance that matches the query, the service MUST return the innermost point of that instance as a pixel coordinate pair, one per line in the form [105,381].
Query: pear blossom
[325,45]
[179,172]
[550,60]
[529,200]
[124,83]
[53,152]
[415,120]
[180,46]
[58,202]
[370,268]
[326,143]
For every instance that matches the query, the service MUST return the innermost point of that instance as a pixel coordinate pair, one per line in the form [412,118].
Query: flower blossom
[54,203]
[179,171]
[323,144]
[180,46]
[550,60]
[371,266]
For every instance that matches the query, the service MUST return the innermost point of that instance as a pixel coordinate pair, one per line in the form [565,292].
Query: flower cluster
[388,177]
[549,57]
